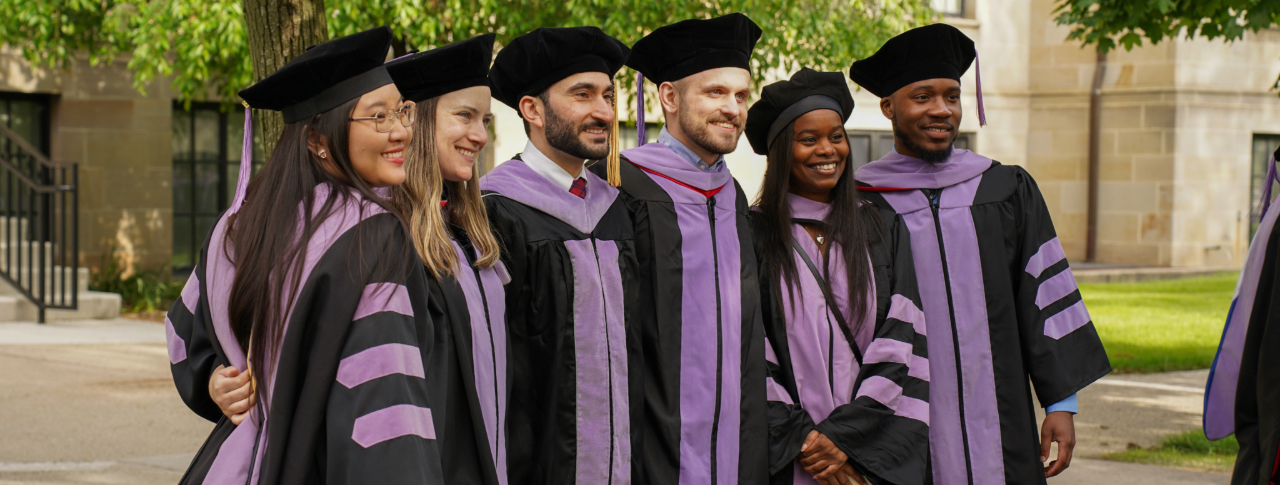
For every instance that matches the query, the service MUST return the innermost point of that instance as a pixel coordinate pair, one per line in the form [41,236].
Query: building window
[950,8]
[627,133]
[206,166]
[1263,147]
[28,116]
[868,146]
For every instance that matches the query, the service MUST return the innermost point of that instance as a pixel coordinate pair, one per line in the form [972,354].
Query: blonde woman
[441,201]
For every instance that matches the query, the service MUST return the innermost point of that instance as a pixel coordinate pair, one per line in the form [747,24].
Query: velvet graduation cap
[675,51]
[937,51]
[782,102]
[443,70]
[322,78]
[532,62]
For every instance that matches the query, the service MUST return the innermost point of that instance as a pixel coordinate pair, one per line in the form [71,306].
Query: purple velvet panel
[231,465]
[699,330]
[881,389]
[380,361]
[488,353]
[904,310]
[1220,392]
[1048,255]
[383,297]
[886,350]
[1066,321]
[515,180]
[393,422]
[177,346]
[603,428]
[1055,288]
[773,390]
[900,171]
[909,407]
[191,292]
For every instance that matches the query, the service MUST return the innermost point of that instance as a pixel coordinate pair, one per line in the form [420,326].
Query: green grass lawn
[1189,450]
[1159,326]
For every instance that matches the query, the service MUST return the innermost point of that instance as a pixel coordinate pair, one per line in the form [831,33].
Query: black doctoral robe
[1243,392]
[1000,303]
[875,410]
[699,313]
[574,367]
[349,399]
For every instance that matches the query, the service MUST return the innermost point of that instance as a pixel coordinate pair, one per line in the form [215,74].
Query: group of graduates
[367,311]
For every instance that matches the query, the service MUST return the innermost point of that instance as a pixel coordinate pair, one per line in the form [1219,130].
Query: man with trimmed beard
[698,310]
[1003,314]
[567,242]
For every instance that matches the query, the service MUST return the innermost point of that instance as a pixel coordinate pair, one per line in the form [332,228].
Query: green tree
[1106,24]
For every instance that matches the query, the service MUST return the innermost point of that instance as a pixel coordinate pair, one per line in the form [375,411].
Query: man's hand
[820,457]
[1058,426]
[232,391]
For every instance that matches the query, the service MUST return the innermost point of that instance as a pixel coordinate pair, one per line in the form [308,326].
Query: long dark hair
[269,254]
[848,224]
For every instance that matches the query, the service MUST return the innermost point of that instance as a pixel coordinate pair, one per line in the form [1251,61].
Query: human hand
[820,457]
[1058,426]
[232,391]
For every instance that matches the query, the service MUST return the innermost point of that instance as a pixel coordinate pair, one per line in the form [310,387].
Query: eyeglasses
[384,121]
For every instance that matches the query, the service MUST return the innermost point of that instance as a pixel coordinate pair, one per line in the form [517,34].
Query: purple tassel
[246,162]
[1266,185]
[640,134]
[982,112]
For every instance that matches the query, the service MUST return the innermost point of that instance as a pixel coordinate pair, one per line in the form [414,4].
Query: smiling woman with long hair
[440,198]
[308,295]
[848,375]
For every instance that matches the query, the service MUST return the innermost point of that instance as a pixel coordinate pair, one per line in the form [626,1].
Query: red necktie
[579,188]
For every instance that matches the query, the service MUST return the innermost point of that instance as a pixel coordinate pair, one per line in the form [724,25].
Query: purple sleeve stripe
[1048,255]
[177,346]
[191,293]
[881,389]
[887,350]
[380,361]
[909,407]
[383,297]
[1055,288]
[393,422]
[769,355]
[903,309]
[1066,321]
[919,368]
[776,392]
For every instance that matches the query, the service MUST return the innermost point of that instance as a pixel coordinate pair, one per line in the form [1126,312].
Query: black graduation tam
[687,47]
[782,102]
[325,76]
[937,51]
[443,70]
[532,62]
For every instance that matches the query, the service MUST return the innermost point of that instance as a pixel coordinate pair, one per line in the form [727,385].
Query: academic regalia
[876,410]
[872,402]
[698,309]
[347,400]
[1005,284]
[470,352]
[1244,383]
[575,368]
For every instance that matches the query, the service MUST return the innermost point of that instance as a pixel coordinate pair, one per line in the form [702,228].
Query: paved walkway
[93,402]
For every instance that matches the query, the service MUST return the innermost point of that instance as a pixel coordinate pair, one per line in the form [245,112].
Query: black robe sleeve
[192,354]
[1060,345]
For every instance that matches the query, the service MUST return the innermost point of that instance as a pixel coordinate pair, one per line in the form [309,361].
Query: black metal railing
[39,225]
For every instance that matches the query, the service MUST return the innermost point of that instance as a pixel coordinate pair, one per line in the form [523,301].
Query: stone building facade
[1185,127]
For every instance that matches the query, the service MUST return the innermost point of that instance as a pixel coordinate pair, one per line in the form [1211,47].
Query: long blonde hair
[418,198]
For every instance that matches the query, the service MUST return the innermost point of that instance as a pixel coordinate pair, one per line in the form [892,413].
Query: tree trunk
[280,30]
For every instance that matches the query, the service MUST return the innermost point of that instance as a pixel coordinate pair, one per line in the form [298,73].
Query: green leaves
[1131,22]
[201,44]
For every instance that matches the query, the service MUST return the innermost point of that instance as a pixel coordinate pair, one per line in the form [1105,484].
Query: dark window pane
[206,188]
[25,119]
[206,134]
[183,250]
[182,188]
[884,145]
[233,177]
[181,135]
[203,226]
[860,150]
[235,134]
[1263,147]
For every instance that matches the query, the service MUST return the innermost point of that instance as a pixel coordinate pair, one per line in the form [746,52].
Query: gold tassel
[615,150]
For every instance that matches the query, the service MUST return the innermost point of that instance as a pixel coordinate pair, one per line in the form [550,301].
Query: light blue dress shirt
[665,138]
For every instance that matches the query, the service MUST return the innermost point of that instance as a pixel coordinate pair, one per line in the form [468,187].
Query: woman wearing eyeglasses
[309,300]
[848,381]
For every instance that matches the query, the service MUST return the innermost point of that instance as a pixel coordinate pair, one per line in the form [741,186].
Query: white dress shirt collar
[547,168]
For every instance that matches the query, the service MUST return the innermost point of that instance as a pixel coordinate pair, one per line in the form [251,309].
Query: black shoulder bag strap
[831,302]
